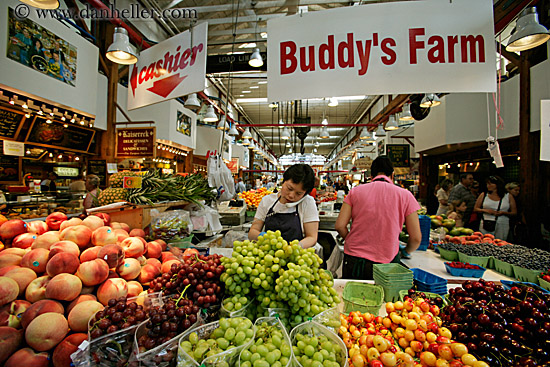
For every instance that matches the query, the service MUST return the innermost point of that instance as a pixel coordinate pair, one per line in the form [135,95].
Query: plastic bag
[330,319]
[247,310]
[219,176]
[171,226]
[232,236]
[226,358]
[312,328]
[276,323]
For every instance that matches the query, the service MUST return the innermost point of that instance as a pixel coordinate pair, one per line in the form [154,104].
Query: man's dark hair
[382,164]
[54,174]
[301,173]
[463,176]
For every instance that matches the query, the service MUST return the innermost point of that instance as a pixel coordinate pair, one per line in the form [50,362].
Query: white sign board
[387,48]
[545,130]
[170,69]
[14,148]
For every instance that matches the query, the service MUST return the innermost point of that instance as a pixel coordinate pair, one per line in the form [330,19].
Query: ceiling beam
[247,18]
[244,5]
[229,32]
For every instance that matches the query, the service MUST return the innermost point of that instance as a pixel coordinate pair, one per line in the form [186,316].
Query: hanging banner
[14,148]
[233,165]
[170,69]
[381,49]
[137,142]
[545,130]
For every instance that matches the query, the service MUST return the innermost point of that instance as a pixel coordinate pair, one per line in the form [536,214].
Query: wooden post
[108,138]
[188,167]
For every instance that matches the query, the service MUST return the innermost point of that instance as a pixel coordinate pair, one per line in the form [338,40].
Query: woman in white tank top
[495,205]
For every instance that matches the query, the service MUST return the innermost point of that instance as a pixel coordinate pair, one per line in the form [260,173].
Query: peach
[142,260]
[81,235]
[121,234]
[4,270]
[113,255]
[112,288]
[24,240]
[36,290]
[55,219]
[36,260]
[64,246]
[38,227]
[80,299]
[28,357]
[105,217]
[154,249]
[14,251]
[23,277]
[46,240]
[133,247]
[38,308]
[130,269]
[137,232]
[10,314]
[64,287]
[62,354]
[10,340]
[93,222]
[11,229]
[155,262]
[89,254]
[93,272]
[7,259]
[81,314]
[87,290]
[62,263]
[163,244]
[116,225]
[125,227]
[112,274]
[104,236]
[69,223]
[46,331]
[166,266]
[134,288]
[9,290]
[148,273]
[167,255]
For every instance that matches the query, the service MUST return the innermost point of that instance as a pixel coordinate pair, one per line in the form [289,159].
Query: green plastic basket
[392,270]
[393,283]
[478,260]
[430,295]
[544,284]
[392,293]
[526,275]
[250,213]
[363,297]
[503,267]
[448,255]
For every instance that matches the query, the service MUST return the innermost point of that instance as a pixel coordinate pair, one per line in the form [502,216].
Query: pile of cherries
[461,265]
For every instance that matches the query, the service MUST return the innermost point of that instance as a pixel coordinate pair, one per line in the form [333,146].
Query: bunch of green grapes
[269,349]
[239,306]
[317,351]
[231,333]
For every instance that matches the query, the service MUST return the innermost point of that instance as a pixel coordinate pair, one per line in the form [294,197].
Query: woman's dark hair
[381,164]
[301,173]
[445,183]
[501,185]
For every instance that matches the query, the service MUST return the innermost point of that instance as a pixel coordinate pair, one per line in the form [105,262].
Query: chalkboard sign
[55,135]
[399,154]
[10,122]
[10,169]
[98,168]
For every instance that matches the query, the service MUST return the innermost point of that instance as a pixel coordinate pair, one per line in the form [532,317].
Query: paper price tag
[132,182]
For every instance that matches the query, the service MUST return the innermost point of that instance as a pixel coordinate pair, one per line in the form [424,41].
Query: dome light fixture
[210,115]
[380,130]
[529,33]
[273,105]
[252,145]
[430,100]
[333,102]
[406,115]
[281,124]
[325,121]
[285,135]
[121,51]
[366,135]
[42,4]
[256,60]
[222,125]
[192,102]
[233,131]
[324,133]
[245,142]
[392,123]
[246,134]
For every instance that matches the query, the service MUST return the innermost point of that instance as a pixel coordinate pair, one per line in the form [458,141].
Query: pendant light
[256,60]
[406,115]
[324,133]
[333,102]
[246,142]
[121,51]
[273,105]
[230,112]
[210,115]
[316,145]
[392,123]
[42,4]
[233,131]
[325,121]
[365,135]
[285,135]
[246,134]
[430,100]
[222,125]
[281,124]
[528,32]
[251,145]
[192,102]
[288,144]
[380,131]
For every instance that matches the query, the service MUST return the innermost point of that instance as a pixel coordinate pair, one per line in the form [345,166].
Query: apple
[55,219]
[133,247]
[81,235]
[70,223]
[106,218]
[24,240]
[93,222]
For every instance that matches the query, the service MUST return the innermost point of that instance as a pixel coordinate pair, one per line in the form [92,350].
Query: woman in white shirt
[496,207]
[443,196]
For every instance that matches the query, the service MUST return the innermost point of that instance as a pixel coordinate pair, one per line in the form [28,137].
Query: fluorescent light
[248,45]
[262,82]
[254,87]
[246,91]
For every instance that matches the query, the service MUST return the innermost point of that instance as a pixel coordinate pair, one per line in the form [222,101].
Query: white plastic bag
[273,323]
[312,328]
[219,176]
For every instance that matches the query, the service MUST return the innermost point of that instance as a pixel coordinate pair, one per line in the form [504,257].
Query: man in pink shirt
[378,211]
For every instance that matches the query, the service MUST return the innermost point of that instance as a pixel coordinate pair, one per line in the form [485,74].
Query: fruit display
[473,239]
[461,265]
[279,275]
[172,226]
[315,345]
[271,346]
[252,198]
[238,306]
[545,275]
[502,327]
[449,225]
[116,316]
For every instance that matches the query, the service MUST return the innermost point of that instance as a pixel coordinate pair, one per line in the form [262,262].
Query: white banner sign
[14,148]
[170,69]
[545,130]
[388,48]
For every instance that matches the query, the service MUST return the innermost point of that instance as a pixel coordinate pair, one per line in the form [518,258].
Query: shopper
[443,196]
[462,192]
[240,186]
[313,192]
[456,211]
[48,184]
[377,211]
[518,228]
[474,217]
[92,198]
[496,207]
[78,185]
[291,211]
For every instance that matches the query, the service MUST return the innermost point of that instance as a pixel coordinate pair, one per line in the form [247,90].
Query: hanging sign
[233,165]
[137,142]
[545,130]
[170,69]
[14,148]
[363,163]
[399,154]
[381,49]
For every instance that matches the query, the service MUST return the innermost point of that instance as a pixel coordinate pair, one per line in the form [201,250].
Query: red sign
[233,165]
[136,142]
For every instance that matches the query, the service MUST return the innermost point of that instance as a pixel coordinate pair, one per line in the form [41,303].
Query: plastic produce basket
[363,297]
[392,271]
[472,273]
[503,267]
[430,295]
[428,279]
[507,284]
[479,260]
[425,226]
[392,293]
[448,254]
[526,275]
[544,284]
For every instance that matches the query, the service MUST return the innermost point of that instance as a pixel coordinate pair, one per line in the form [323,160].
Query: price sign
[131,182]
[399,154]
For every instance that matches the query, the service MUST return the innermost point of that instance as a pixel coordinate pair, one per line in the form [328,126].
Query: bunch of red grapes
[117,315]
[502,327]
[202,275]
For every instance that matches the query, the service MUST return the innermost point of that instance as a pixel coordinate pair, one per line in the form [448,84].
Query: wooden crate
[139,216]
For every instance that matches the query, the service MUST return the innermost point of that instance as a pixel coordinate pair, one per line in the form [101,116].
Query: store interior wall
[208,140]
